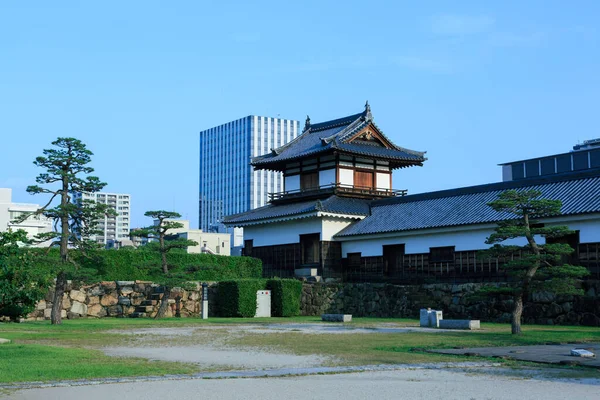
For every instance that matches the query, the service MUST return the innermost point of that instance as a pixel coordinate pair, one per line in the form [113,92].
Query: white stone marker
[582,353]
[434,318]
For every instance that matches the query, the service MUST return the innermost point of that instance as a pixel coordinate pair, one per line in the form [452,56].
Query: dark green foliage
[534,266]
[22,281]
[285,297]
[136,264]
[238,298]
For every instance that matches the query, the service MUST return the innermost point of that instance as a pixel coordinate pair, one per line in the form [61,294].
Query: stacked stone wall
[456,301]
[118,299]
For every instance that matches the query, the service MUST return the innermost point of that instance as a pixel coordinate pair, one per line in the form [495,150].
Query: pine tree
[532,266]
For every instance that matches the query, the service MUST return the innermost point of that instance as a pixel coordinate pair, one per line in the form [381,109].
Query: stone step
[138,315]
[144,309]
[149,303]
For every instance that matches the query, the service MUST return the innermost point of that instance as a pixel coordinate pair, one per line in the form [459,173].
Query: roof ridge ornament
[319,206]
[307,124]
[367,114]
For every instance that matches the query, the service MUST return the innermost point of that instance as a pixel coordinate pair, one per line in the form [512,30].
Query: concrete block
[434,318]
[459,324]
[582,353]
[424,317]
[336,317]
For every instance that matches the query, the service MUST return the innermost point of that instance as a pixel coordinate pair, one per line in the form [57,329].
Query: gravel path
[407,384]
[209,356]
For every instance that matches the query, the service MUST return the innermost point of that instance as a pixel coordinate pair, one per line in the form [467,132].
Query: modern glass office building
[228,184]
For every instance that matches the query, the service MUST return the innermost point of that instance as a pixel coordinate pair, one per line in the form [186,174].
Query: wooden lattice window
[441,254]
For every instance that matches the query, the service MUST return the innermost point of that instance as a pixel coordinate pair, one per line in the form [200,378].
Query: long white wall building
[228,183]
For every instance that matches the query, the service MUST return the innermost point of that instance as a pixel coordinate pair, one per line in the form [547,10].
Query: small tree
[166,242]
[22,282]
[534,266]
[67,172]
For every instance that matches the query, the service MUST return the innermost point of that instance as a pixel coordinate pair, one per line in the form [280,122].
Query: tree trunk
[164,303]
[516,315]
[163,253]
[57,301]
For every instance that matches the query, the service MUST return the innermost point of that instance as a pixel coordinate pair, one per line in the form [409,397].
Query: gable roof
[336,135]
[579,193]
[332,204]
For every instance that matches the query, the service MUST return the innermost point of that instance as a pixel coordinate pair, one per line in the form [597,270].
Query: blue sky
[472,83]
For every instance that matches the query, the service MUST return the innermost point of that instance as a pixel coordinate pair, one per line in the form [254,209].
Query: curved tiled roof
[335,135]
[332,204]
[579,194]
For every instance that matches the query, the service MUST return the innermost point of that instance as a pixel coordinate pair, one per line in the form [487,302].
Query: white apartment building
[228,184]
[113,228]
[10,211]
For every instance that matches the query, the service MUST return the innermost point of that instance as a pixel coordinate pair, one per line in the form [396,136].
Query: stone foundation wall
[118,299]
[456,301]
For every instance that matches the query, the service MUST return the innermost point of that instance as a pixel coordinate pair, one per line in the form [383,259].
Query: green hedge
[137,264]
[238,298]
[285,297]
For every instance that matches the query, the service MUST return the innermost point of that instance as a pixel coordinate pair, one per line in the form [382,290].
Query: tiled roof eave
[480,223]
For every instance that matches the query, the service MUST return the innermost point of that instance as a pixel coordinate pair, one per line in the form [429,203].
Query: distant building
[10,211]
[113,228]
[228,184]
[208,242]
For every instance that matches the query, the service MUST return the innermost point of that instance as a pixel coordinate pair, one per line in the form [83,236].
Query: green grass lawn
[44,352]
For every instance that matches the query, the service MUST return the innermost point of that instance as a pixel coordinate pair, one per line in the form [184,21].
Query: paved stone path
[549,354]
[407,384]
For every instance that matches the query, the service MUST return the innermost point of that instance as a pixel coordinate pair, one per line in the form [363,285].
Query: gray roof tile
[332,204]
[579,193]
[333,135]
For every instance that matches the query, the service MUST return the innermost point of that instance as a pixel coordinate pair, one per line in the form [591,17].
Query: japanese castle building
[338,216]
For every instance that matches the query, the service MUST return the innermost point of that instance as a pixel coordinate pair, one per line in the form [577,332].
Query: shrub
[285,297]
[238,298]
[130,264]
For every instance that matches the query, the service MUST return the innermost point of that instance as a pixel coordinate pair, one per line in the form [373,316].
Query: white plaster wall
[346,176]
[383,181]
[332,226]
[589,231]
[464,240]
[292,182]
[326,177]
[213,240]
[281,232]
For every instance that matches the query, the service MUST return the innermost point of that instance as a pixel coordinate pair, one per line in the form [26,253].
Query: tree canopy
[533,264]
[67,173]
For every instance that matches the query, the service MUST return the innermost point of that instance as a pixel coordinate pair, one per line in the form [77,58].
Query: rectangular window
[393,257]
[580,160]
[563,163]
[441,254]
[518,171]
[309,181]
[248,245]
[363,180]
[548,166]
[354,259]
[532,168]
[310,245]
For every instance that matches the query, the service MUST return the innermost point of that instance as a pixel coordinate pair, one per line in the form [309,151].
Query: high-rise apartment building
[113,228]
[228,184]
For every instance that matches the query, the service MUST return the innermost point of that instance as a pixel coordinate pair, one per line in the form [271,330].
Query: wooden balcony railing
[336,188]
